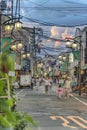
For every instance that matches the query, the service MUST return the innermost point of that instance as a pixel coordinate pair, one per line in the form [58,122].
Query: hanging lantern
[60,57]
[28,54]
[18,25]
[8,27]
[60,62]
[68,43]
[23,55]
[74,45]
[13,47]
[64,58]
[19,45]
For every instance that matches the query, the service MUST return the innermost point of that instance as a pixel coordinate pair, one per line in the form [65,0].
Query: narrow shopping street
[43,65]
[50,113]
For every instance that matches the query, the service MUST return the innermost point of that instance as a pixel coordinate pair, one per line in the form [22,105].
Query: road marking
[65,121]
[78,99]
[72,118]
[20,92]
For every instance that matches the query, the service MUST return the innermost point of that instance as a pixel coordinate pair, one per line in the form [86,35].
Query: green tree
[9,118]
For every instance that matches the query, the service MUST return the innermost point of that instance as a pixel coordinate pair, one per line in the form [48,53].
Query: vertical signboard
[5,44]
[64,66]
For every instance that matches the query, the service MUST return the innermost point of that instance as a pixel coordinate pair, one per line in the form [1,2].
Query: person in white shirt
[47,84]
[67,87]
[37,83]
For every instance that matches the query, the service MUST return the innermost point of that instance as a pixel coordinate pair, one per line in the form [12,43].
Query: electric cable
[51,24]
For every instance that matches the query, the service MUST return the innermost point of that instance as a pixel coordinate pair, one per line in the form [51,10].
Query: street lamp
[8,27]
[9,21]
[60,57]
[64,58]
[60,62]
[15,26]
[74,46]
[18,25]
[16,46]
[68,44]
[25,55]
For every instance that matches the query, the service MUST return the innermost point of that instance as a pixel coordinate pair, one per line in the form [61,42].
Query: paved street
[50,113]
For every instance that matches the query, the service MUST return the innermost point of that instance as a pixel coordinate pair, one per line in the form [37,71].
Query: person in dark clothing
[32,83]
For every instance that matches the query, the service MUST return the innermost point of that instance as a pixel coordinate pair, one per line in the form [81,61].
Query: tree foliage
[9,118]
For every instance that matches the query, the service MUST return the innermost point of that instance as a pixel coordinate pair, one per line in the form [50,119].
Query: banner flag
[76,55]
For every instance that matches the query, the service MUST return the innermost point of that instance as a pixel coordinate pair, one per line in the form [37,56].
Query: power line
[50,24]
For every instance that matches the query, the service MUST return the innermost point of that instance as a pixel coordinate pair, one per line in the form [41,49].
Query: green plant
[9,118]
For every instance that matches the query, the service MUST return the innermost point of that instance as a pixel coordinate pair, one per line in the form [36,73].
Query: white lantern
[23,55]
[74,45]
[8,27]
[68,43]
[18,25]
[60,57]
[28,54]
[64,58]
[19,45]
[13,47]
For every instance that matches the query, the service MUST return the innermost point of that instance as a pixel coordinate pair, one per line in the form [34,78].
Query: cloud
[57,43]
[61,33]
[54,31]
[66,34]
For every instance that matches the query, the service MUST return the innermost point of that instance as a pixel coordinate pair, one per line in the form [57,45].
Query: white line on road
[78,99]
[20,92]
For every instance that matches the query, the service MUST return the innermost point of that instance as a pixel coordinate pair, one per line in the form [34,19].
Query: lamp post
[12,22]
[63,64]
[74,46]
[17,46]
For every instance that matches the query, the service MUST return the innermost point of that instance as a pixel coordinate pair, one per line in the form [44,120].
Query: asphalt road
[53,114]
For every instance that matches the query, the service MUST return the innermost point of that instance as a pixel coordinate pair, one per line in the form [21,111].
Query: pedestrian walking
[50,83]
[32,83]
[67,87]
[61,81]
[37,83]
[47,84]
[60,91]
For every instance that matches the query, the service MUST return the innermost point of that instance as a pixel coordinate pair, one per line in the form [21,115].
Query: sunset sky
[59,17]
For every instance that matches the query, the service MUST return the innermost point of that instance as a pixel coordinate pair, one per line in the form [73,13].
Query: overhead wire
[51,24]
[40,6]
[53,50]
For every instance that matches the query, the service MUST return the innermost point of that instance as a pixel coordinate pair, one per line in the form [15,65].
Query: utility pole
[35,56]
[32,48]
[80,65]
